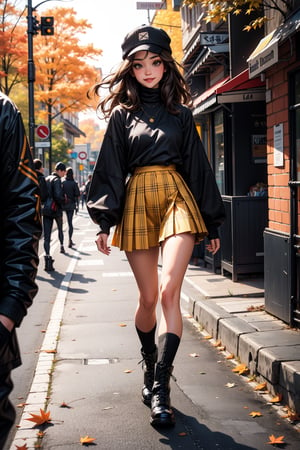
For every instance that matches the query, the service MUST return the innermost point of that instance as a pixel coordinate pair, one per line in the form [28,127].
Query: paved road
[97,377]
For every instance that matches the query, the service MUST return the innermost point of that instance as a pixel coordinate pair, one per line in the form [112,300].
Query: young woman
[170,202]
[72,194]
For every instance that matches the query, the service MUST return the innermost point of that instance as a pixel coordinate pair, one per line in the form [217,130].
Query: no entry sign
[43,131]
[82,155]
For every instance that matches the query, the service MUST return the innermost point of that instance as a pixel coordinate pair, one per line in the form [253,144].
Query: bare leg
[176,253]
[144,266]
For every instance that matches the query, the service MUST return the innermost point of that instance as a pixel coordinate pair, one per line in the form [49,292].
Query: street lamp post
[31,76]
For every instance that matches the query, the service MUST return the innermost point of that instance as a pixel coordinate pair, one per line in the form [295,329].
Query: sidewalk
[230,312]
[233,314]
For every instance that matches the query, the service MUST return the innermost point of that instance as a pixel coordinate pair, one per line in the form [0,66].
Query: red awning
[212,90]
[240,82]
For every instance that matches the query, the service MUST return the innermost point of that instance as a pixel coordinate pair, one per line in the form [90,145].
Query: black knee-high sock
[168,344]
[147,339]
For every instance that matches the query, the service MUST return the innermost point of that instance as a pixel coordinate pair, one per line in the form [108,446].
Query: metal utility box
[278,275]
[242,244]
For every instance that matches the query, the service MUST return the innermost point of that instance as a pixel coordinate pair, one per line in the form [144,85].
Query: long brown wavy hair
[123,89]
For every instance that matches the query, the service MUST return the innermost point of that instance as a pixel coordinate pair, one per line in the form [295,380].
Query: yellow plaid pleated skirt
[158,205]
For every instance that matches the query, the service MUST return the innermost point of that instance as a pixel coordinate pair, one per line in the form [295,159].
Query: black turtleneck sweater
[151,136]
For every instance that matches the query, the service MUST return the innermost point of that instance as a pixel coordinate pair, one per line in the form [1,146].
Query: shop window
[219,150]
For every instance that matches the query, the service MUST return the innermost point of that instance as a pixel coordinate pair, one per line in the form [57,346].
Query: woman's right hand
[101,243]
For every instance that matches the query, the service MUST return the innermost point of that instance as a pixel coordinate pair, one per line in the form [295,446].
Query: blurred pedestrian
[72,194]
[170,202]
[20,231]
[38,165]
[52,211]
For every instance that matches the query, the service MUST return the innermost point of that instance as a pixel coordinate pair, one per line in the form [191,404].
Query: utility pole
[33,27]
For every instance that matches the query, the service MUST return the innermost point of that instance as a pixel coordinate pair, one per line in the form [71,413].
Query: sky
[111,20]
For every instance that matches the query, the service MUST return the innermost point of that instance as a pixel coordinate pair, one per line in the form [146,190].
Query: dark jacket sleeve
[106,195]
[199,176]
[20,216]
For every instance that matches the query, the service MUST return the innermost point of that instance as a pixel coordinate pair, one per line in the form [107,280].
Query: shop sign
[151,5]
[278,145]
[213,38]
[240,97]
[266,58]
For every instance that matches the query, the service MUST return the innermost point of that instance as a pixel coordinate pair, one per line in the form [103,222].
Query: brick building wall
[278,112]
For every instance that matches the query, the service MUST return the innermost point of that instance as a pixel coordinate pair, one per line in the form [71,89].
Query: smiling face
[148,69]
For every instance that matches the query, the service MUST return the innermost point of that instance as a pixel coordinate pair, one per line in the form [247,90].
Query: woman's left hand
[101,243]
[213,246]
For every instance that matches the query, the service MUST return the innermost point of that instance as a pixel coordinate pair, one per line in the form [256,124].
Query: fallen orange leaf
[291,415]
[182,433]
[261,387]
[122,325]
[24,447]
[240,369]
[208,337]
[255,414]
[127,371]
[276,399]
[231,356]
[44,417]
[217,343]
[275,440]
[86,440]
[50,351]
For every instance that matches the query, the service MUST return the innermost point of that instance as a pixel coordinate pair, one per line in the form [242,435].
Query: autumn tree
[217,10]
[93,134]
[13,46]
[64,70]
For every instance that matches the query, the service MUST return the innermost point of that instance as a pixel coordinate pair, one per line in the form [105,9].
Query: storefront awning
[235,90]
[208,98]
[209,56]
[266,52]
[241,89]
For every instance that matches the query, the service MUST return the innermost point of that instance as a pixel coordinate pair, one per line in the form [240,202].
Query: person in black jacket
[72,194]
[20,231]
[38,165]
[170,202]
[52,210]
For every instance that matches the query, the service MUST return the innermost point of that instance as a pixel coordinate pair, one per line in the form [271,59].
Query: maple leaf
[86,440]
[291,415]
[275,440]
[217,343]
[240,369]
[231,356]
[44,417]
[208,337]
[122,325]
[182,433]
[23,447]
[261,387]
[276,399]
[255,414]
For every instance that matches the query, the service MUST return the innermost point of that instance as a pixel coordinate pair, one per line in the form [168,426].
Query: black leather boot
[49,263]
[148,366]
[162,414]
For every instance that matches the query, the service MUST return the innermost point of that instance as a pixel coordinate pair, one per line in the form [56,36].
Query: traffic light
[47,26]
[35,25]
